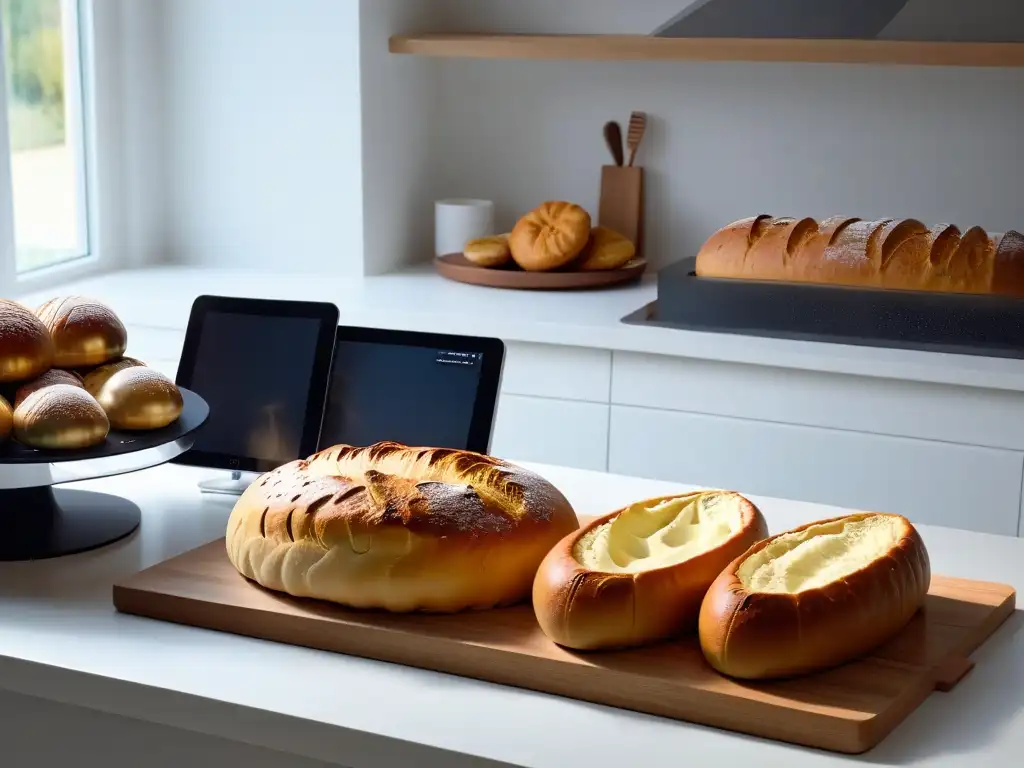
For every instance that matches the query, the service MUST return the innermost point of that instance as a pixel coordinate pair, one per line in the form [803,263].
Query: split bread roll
[6,419]
[901,254]
[639,574]
[550,236]
[607,249]
[60,417]
[85,332]
[26,349]
[815,597]
[398,528]
[488,251]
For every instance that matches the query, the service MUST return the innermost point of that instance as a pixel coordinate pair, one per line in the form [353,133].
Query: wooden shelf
[646,48]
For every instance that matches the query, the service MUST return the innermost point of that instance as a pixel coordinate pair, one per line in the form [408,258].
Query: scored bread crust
[897,254]
[585,609]
[26,349]
[398,528]
[763,635]
[85,332]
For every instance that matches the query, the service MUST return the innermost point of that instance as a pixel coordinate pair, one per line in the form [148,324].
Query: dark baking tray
[991,326]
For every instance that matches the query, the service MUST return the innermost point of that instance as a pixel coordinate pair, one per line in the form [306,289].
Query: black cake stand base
[45,522]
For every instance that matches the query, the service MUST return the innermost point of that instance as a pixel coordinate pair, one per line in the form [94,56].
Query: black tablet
[419,389]
[263,367]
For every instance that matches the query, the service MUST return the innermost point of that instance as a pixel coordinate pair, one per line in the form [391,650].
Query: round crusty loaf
[140,398]
[815,597]
[550,236]
[85,331]
[6,419]
[897,254]
[398,528]
[639,574]
[26,349]
[60,417]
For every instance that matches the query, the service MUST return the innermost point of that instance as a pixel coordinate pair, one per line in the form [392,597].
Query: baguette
[398,528]
[639,574]
[895,254]
[815,597]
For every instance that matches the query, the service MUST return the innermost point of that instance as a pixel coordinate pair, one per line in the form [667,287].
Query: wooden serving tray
[457,267]
[849,709]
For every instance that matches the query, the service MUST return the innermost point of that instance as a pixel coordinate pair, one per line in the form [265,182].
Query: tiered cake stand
[39,521]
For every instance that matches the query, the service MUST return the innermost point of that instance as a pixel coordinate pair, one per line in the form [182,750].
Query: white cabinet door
[550,370]
[549,431]
[934,483]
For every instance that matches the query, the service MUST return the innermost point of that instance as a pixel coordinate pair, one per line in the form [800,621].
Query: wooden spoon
[637,128]
[613,138]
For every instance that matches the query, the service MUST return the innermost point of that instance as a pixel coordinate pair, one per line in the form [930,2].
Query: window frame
[80,18]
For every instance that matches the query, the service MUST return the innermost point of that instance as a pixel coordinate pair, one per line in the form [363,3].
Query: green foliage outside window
[34,63]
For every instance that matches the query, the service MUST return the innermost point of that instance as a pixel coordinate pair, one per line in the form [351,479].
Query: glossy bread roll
[85,332]
[398,528]
[6,419]
[488,251]
[815,597]
[137,398]
[549,236]
[51,377]
[97,377]
[607,249]
[639,574]
[26,349]
[60,417]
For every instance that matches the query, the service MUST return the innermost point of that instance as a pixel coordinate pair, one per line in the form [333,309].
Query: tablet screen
[416,395]
[254,373]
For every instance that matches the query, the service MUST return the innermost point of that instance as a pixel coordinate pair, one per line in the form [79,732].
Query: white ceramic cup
[457,221]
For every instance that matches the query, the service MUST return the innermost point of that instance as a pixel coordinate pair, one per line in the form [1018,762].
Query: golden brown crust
[488,252]
[26,349]
[398,528]
[897,254]
[761,635]
[51,377]
[140,398]
[60,417]
[97,377]
[590,610]
[550,236]
[607,249]
[85,332]
[6,419]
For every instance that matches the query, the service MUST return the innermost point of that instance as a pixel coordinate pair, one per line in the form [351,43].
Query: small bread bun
[97,377]
[607,249]
[26,349]
[6,419]
[60,417]
[488,251]
[51,377]
[815,597]
[639,574]
[549,236]
[140,398]
[85,332]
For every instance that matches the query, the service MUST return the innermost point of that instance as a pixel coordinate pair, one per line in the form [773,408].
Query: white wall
[262,135]
[727,140]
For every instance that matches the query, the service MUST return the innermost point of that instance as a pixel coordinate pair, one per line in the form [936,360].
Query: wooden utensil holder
[621,205]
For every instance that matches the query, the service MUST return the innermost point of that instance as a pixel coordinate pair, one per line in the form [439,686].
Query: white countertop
[418,299]
[61,639]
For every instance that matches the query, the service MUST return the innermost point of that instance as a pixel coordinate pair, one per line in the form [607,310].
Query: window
[43,188]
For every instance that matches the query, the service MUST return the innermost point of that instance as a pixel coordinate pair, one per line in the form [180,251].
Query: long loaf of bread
[900,254]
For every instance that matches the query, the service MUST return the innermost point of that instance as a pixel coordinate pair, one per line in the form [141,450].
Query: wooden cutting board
[849,709]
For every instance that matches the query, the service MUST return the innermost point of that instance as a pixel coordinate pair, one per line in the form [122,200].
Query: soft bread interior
[646,536]
[819,554]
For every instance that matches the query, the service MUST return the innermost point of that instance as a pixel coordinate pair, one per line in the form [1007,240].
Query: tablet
[263,367]
[419,389]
